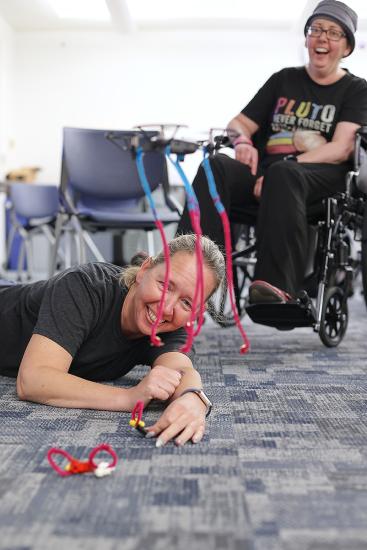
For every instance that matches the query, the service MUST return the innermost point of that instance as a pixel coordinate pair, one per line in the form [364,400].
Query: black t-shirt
[79,309]
[296,114]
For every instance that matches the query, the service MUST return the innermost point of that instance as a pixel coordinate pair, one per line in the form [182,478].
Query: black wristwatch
[291,157]
[201,395]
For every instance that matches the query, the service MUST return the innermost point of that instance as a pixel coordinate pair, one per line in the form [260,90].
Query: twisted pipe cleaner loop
[154,339]
[228,246]
[75,466]
[194,213]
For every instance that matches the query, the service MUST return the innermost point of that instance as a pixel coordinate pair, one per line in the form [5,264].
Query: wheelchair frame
[333,266]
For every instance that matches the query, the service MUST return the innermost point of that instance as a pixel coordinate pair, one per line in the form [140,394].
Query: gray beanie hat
[338,12]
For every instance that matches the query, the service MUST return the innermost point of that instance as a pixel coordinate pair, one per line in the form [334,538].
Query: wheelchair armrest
[360,159]
[362,131]
[361,179]
[222,141]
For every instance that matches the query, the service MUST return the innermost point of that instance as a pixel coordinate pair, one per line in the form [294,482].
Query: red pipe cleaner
[194,214]
[154,339]
[137,413]
[228,248]
[75,466]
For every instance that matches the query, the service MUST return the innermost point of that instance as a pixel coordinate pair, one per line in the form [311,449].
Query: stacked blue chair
[34,209]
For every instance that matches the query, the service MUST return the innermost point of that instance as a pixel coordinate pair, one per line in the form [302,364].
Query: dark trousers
[281,228]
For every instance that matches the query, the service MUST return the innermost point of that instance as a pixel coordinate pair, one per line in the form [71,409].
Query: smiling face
[142,301]
[325,54]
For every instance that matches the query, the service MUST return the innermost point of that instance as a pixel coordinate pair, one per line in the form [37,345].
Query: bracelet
[242,140]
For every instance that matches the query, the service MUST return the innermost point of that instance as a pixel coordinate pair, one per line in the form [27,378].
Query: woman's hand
[258,187]
[183,420]
[160,383]
[247,154]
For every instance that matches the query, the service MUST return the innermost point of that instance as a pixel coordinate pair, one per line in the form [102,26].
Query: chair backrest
[98,167]
[34,201]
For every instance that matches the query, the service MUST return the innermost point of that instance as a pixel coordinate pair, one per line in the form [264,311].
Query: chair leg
[150,240]
[55,248]
[9,245]
[92,247]
[81,256]
[29,257]
[86,240]
[26,253]
[46,230]
[20,265]
[68,239]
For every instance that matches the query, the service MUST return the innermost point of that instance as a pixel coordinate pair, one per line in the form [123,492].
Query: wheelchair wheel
[364,254]
[334,320]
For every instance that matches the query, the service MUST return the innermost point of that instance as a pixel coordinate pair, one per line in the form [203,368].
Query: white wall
[6,110]
[111,80]
[6,86]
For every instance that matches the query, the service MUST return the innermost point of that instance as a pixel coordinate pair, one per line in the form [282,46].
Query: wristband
[242,140]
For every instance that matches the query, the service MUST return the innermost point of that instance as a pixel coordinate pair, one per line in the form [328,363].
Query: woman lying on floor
[93,323]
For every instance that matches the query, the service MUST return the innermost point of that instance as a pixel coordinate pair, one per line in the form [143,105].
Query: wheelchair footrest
[284,316]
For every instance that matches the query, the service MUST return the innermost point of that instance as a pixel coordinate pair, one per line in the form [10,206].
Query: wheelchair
[337,256]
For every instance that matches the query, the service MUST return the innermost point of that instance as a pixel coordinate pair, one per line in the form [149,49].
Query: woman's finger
[198,435]
[185,435]
[163,423]
[169,433]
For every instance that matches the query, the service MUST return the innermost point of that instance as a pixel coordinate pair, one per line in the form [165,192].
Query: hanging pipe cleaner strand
[228,246]
[154,339]
[194,213]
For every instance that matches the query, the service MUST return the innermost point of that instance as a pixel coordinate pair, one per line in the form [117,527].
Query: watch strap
[201,395]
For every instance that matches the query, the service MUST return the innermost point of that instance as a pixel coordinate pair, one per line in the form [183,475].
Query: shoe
[261,292]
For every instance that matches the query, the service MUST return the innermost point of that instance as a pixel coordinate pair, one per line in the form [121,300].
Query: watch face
[205,400]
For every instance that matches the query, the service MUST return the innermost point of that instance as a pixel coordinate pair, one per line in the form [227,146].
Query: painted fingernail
[149,435]
[196,439]
[178,442]
[159,442]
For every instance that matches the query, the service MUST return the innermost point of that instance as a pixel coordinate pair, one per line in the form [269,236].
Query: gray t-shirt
[79,309]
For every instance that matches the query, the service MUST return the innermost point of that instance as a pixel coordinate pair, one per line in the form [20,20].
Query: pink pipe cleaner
[228,248]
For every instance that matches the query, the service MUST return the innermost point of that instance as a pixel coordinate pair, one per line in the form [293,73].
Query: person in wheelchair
[293,144]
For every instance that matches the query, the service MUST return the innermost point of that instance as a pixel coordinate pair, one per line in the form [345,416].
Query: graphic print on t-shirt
[299,126]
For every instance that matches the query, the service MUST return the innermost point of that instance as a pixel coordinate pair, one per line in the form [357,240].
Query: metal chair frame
[109,196]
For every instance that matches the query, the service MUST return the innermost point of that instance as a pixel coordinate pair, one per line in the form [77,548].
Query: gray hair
[212,256]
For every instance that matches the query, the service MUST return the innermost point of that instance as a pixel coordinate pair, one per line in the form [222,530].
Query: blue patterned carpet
[283,465]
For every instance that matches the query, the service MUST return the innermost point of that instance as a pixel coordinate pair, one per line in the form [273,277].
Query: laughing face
[142,301]
[325,54]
